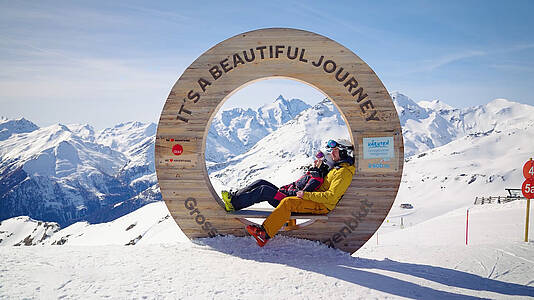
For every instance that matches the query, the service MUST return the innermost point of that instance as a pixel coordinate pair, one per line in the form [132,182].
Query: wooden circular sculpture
[316,60]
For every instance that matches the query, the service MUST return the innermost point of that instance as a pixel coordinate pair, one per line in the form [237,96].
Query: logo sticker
[177,149]
[378,147]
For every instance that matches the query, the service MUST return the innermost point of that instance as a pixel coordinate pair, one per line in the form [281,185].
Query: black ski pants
[259,191]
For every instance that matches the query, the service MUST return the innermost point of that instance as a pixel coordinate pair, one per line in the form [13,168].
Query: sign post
[528,190]
[466,226]
[526,222]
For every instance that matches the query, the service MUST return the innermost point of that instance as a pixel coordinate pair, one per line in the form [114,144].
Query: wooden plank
[264,213]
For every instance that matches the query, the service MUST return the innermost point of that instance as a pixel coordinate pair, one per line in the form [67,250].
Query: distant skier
[321,201]
[262,190]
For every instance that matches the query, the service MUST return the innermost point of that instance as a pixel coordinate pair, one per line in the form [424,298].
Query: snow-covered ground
[425,261]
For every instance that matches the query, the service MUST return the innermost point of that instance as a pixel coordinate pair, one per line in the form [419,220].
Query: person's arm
[312,185]
[339,185]
[314,182]
[291,192]
[286,190]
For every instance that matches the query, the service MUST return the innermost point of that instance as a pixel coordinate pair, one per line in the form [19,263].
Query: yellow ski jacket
[335,184]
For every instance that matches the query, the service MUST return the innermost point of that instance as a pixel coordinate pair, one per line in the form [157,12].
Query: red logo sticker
[177,149]
[528,188]
[528,169]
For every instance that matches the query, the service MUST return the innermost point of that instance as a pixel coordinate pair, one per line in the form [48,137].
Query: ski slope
[426,261]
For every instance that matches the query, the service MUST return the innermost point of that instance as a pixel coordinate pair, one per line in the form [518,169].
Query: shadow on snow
[316,257]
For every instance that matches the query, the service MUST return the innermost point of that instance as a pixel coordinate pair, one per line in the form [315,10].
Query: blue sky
[103,62]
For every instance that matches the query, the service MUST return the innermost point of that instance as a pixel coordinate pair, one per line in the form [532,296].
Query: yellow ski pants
[282,212]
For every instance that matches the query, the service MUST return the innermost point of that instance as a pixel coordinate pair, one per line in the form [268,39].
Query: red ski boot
[259,234]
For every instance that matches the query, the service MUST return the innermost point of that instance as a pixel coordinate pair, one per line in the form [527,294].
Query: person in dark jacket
[262,190]
[309,182]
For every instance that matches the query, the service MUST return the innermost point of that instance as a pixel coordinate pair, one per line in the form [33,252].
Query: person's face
[335,154]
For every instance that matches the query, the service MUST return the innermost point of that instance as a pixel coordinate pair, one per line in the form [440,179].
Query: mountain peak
[19,121]
[9,127]
[58,127]
[435,105]
[74,127]
[129,125]
[500,102]
[407,108]
[402,100]
[281,98]
[279,103]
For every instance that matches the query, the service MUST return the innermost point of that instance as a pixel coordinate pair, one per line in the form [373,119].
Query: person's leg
[257,195]
[282,212]
[274,203]
[254,185]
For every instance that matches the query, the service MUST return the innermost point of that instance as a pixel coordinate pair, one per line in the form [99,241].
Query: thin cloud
[513,67]
[62,16]
[84,89]
[182,18]
[515,48]
[449,59]
[362,30]
[55,74]
[433,64]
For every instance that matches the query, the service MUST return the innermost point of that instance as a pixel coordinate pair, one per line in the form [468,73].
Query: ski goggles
[331,144]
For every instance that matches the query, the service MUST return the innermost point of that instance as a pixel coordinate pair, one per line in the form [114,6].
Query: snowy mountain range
[235,131]
[71,173]
[430,124]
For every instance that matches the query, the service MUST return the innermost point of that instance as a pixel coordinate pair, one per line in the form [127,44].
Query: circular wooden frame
[316,60]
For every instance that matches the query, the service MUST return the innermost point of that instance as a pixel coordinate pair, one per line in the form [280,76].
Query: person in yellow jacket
[322,201]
